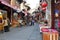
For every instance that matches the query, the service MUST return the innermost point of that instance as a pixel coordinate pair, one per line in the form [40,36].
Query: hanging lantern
[44,4]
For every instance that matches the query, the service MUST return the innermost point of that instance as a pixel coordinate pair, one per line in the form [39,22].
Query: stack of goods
[15,23]
[50,34]
[1,23]
[42,26]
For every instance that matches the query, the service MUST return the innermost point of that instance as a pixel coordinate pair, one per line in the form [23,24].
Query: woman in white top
[6,27]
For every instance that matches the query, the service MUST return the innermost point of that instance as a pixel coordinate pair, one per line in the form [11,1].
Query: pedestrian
[33,22]
[56,23]
[6,26]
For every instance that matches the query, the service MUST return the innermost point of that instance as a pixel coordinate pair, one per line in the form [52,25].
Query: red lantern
[44,8]
[44,4]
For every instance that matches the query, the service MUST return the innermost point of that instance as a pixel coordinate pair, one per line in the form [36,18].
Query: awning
[5,3]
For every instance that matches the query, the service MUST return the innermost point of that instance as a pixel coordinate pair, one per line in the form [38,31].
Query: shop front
[55,13]
[6,11]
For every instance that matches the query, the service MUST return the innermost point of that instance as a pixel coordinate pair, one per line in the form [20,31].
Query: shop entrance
[55,6]
[6,8]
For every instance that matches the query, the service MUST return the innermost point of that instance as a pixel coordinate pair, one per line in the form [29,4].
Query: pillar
[52,14]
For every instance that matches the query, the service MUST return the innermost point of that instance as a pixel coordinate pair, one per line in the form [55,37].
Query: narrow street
[17,16]
[23,33]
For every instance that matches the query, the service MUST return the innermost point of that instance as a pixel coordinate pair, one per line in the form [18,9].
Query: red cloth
[59,24]
[54,31]
[45,30]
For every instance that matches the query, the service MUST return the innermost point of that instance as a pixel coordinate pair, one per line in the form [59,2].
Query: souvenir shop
[55,13]
[52,33]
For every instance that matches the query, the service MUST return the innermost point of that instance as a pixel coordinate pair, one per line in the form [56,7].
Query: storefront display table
[52,34]
[41,26]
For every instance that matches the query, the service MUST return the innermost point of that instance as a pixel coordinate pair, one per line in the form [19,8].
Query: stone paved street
[23,33]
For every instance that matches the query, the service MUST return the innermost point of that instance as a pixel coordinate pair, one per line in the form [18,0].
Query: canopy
[7,4]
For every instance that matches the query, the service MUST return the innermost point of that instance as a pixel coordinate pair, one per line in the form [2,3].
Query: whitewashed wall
[48,12]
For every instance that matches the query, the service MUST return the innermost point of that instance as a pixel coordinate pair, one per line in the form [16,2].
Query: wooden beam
[52,13]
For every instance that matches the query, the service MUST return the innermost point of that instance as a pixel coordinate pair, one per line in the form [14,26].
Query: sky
[32,3]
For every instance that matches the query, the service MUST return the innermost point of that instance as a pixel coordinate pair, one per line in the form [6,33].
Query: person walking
[33,21]
[6,26]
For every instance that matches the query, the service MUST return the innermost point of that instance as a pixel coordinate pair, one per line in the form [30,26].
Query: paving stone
[23,33]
